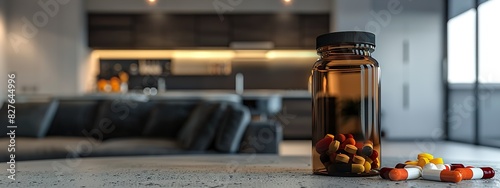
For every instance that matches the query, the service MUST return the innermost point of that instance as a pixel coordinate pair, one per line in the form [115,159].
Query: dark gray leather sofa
[118,125]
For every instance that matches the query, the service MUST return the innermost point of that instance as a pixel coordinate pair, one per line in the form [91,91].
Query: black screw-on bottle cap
[345,37]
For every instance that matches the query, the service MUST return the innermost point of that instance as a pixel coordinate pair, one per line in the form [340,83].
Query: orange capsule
[347,141]
[340,137]
[323,145]
[399,174]
[359,146]
[442,175]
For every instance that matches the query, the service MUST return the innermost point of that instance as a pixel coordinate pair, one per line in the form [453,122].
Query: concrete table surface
[205,171]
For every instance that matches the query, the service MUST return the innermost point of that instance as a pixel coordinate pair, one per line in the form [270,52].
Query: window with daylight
[462,48]
[473,40]
[489,41]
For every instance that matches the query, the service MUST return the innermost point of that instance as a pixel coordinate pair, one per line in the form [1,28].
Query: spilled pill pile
[341,155]
[430,168]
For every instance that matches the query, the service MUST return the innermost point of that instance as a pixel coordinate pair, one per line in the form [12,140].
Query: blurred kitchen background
[440,73]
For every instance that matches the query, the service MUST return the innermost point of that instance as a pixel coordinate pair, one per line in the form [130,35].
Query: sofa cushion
[28,148]
[232,128]
[33,119]
[73,117]
[167,118]
[126,118]
[200,129]
[262,137]
[138,146]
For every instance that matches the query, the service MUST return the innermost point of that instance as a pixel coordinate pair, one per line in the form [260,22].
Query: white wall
[50,48]
[3,76]
[421,23]
[349,14]
[207,6]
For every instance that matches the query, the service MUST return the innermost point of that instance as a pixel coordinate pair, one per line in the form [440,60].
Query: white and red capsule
[476,173]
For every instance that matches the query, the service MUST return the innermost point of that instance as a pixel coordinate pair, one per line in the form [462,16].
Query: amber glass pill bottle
[345,87]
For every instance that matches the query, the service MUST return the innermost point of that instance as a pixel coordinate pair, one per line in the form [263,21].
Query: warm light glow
[291,54]
[251,54]
[198,61]
[287,1]
[151,2]
[133,54]
[203,54]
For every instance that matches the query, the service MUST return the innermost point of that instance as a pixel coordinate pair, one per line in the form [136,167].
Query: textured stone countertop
[204,171]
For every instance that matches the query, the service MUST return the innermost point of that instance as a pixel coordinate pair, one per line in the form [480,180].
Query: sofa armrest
[33,118]
[262,137]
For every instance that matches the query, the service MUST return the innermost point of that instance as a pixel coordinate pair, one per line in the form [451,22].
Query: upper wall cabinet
[111,31]
[311,27]
[171,31]
[164,31]
[211,31]
[287,31]
[252,27]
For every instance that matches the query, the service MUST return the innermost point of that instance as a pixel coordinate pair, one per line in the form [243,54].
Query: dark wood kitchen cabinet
[170,31]
[164,31]
[284,30]
[252,27]
[311,27]
[111,31]
[281,29]
[287,31]
[211,31]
